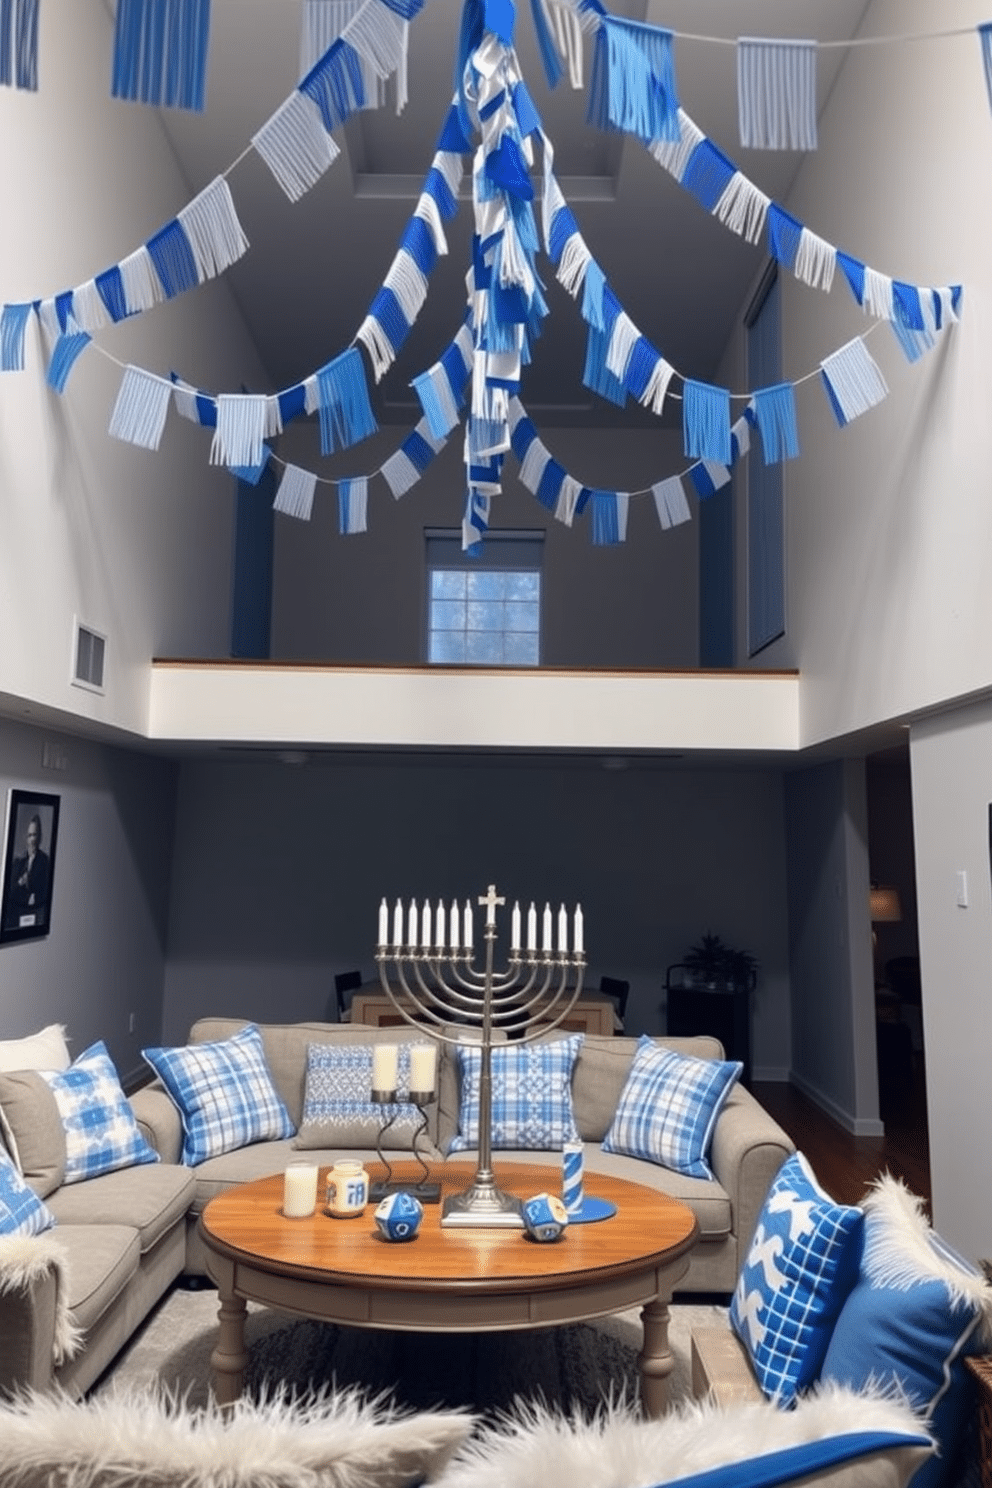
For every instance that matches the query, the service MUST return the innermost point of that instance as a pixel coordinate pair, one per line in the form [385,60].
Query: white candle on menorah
[436,986]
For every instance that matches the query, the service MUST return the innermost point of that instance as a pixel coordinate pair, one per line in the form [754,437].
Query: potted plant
[715,964]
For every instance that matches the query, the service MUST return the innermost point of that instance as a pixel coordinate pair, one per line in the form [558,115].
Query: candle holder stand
[436,986]
[428,1191]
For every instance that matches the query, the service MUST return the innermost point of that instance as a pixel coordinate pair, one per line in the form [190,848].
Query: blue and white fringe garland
[19,43]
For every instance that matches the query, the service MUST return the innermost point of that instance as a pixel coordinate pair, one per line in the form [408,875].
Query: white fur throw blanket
[25,1259]
[120,1441]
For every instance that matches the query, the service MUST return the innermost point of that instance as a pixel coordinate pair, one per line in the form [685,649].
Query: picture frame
[30,839]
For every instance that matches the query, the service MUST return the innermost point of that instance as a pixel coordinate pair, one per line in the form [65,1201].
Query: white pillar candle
[398,924]
[547,928]
[299,1190]
[469,933]
[411,924]
[532,927]
[383,922]
[515,928]
[423,1067]
[425,927]
[385,1063]
[563,929]
[578,946]
[439,926]
[454,925]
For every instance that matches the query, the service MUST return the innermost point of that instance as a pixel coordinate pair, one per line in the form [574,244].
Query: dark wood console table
[721,1012]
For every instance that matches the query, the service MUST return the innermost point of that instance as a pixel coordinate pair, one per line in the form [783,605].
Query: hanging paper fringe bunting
[141,284]
[633,86]
[708,477]
[353,505]
[294,497]
[438,400]
[402,470]
[706,422]
[985,37]
[775,410]
[743,208]
[550,60]
[19,43]
[215,236]
[295,145]
[242,420]
[160,52]
[252,474]
[13,325]
[609,517]
[853,381]
[567,26]
[336,85]
[670,502]
[141,409]
[67,351]
[475,522]
[345,412]
[776,94]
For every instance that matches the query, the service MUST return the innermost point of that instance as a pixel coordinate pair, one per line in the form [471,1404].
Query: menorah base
[427,1193]
[483,1206]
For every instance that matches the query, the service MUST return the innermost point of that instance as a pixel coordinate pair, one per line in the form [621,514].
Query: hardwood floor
[845,1164]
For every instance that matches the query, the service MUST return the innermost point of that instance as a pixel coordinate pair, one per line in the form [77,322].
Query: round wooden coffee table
[450,1280]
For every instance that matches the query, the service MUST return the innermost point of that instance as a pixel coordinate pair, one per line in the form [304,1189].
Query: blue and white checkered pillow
[338,1110]
[532,1095]
[21,1210]
[224,1092]
[669,1106]
[101,1133]
[802,1264]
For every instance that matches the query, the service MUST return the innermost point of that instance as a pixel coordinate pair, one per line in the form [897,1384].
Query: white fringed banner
[141,409]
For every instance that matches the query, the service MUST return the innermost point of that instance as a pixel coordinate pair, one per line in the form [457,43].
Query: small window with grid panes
[485,610]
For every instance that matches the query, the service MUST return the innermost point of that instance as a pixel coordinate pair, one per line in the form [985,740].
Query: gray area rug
[577,1365]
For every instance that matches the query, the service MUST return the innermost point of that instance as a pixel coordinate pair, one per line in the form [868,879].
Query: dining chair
[346,984]
[618,990]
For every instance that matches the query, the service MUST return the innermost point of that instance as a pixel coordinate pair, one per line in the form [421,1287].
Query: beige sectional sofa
[126,1235]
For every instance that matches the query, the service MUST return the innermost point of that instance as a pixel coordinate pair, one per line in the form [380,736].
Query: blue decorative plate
[592,1210]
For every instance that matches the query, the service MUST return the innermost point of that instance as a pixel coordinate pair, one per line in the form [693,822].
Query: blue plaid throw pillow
[224,1092]
[669,1106]
[532,1095]
[101,1133]
[21,1210]
[802,1264]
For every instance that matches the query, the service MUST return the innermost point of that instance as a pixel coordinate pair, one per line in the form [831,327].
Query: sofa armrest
[747,1151]
[36,1329]
[159,1121]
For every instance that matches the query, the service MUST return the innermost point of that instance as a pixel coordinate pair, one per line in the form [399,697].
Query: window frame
[504,550]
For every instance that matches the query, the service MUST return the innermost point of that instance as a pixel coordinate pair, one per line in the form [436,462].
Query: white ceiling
[314,267]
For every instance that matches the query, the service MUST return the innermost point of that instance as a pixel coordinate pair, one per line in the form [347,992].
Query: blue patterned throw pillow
[916,1310]
[101,1133]
[21,1210]
[532,1096]
[669,1107]
[802,1263]
[338,1110]
[224,1092]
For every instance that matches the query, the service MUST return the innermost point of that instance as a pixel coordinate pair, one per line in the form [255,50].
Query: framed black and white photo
[28,865]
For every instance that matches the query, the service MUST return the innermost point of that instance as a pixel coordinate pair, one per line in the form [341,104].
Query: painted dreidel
[398,1216]
[545,1217]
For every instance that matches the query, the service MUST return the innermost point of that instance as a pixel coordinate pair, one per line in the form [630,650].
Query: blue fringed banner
[160,52]
[708,477]
[609,517]
[252,474]
[19,43]
[776,94]
[13,324]
[141,409]
[985,38]
[706,422]
[68,349]
[775,410]
[353,505]
[633,86]
[405,466]
[853,381]
[345,412]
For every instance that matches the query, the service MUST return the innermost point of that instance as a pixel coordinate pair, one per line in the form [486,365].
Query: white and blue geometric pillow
[802,1264]
[21,1210]
[669,1107]
[224,1092]
[916,1310]
[101,1133]
[531,1096]
[338,1110]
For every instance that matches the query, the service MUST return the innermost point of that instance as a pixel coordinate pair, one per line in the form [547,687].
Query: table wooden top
[246,1224]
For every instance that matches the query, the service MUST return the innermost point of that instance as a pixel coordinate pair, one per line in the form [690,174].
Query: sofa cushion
[669,1106]
[802,1263]
[916,1310]
[100,1261]
[338,1110]
[101,1133]
[151,1198]
[531,1095]
[21,1210]
[36,1134]
[224,1092]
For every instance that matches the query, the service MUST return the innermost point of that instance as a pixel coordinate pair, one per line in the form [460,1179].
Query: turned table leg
[656,1360]
[229,1358]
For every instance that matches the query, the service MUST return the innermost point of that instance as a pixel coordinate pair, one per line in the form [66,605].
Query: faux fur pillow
[328,1441]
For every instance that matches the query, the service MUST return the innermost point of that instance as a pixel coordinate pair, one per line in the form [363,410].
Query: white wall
[137,544]
[952,788]
[104,957]
[278,873]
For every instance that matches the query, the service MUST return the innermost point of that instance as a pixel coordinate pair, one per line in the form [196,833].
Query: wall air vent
[88,654]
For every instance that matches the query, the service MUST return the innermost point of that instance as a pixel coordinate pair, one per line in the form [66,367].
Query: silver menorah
[432,980]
